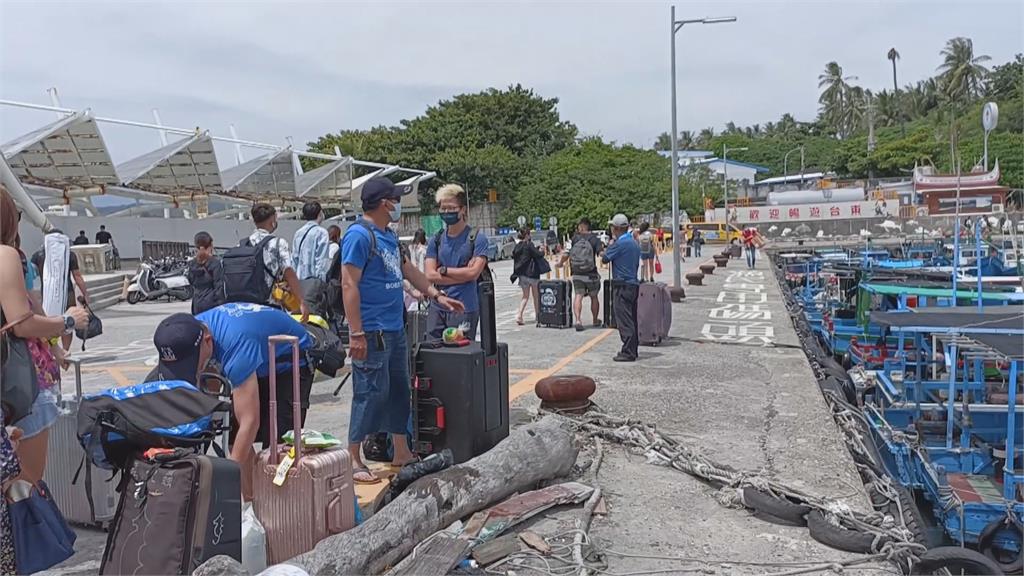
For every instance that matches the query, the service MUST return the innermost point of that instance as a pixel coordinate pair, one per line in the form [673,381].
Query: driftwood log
[537,451]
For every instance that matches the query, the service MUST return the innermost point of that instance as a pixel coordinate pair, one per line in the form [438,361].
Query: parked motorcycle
[159,279]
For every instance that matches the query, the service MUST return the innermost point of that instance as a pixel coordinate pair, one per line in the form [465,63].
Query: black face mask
[450,218]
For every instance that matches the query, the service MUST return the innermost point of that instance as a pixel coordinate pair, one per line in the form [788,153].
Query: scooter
[154,281]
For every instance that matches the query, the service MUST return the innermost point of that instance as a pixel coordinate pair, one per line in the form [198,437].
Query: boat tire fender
[839,537]
[955,559]
[986,543]
[775,510]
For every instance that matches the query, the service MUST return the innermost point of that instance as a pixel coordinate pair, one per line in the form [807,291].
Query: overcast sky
[300,70]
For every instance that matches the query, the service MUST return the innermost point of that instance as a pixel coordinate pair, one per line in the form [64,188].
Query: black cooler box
[555,303]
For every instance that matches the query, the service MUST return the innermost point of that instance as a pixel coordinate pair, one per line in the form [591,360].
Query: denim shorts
[380,388]
[44,414]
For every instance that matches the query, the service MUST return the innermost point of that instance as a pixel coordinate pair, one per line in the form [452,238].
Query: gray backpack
[581,256]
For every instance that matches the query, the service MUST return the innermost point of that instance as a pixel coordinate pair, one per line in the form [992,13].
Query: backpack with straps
[646,243]
[581,256]
[244,272]
[486,275]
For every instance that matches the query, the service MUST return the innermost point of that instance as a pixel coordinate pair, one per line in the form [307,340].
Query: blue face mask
[450,218]
[395,213]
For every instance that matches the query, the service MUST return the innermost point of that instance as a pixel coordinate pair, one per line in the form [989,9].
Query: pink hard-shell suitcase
[316,499]
[653,313]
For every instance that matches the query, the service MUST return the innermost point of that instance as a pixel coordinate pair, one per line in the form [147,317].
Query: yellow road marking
[526,384]
[118,376]
[520,371]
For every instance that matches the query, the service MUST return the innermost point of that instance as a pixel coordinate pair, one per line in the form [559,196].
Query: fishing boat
[946,414]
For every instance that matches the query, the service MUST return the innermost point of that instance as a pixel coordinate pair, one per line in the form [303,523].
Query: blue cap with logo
[177,339]
[380,188]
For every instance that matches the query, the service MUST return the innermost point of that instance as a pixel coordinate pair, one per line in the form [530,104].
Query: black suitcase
[608,290]
[461,400]
[555,303]
[175,512]
[460,395]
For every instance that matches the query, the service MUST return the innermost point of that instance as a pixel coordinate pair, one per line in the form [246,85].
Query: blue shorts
[44,414]
[649,256]
[380,388]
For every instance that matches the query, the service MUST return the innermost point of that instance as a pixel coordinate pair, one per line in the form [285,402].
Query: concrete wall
[129,232]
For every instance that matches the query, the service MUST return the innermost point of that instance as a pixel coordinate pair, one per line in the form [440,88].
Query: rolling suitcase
[608,289]
[177,510]
[460,395]
[555,303]
[84,493]
[653,313]
[315,498]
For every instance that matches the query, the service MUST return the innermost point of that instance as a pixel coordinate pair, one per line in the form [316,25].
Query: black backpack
[486,275]
[244,273]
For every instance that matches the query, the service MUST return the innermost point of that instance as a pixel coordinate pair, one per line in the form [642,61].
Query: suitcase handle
[77,363]
[296,396]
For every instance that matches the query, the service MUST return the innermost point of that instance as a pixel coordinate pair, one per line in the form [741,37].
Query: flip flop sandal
[364,470]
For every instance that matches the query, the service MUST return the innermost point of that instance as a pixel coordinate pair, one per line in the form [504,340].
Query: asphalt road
[718,383]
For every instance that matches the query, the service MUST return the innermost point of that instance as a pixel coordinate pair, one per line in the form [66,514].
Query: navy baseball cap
[177,339]
[380,188]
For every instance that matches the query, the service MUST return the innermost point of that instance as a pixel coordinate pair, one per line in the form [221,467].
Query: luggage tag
[282,469]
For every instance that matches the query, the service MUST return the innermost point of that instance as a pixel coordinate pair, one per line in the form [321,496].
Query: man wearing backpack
[456,262]
[253,267]
[373,268]
[586,280]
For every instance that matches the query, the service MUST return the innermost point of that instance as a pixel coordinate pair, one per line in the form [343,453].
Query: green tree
[893,56]
[597,179]
[835,99]
[962,73]
[486,140]
[1006,81]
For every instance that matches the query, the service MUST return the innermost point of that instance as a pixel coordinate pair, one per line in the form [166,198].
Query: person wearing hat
[373,267]
[233,339]
[456,257]
[624,255]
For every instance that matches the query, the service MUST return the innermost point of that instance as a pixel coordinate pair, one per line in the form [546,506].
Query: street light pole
[676,26]
[676,271]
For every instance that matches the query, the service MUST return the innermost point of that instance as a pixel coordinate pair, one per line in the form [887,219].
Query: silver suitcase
[69,474]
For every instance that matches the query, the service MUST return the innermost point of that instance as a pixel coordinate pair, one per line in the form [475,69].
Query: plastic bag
[312,439]
[254,541]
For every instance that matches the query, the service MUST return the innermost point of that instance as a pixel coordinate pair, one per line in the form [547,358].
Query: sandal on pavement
[364,470]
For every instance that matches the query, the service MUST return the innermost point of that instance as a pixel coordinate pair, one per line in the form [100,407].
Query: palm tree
[893,56]
[962,73]
[705,136]
[835,98]
[685,140]
[664,142]
[888,111]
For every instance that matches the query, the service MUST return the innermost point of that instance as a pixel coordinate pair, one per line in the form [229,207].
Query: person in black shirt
[103,237]
[206,275]
[81,239]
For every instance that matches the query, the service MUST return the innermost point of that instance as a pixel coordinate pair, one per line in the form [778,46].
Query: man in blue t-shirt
[372,270]
[455,259]
[233,339]
[624,255]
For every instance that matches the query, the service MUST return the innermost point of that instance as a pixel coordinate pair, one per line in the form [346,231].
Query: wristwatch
[442,270]
[69,324]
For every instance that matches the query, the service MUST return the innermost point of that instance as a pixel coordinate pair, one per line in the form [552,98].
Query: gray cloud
[277,69]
